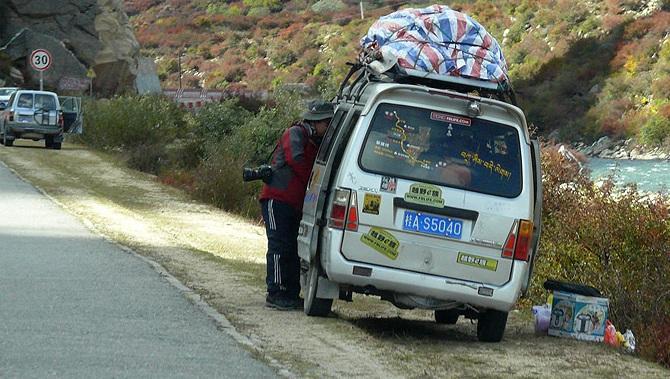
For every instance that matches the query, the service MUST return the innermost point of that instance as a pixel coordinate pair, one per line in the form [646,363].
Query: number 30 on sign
[40,59]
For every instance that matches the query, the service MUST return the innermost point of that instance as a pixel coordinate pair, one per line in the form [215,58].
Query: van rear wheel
[315,306]
[491,325]
[447,316]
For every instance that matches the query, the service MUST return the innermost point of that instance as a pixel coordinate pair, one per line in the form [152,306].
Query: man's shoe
[283,303]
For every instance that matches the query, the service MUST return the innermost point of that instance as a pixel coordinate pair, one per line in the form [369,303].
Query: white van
[426,196]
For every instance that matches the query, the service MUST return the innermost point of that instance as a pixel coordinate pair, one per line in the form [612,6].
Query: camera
[263,172]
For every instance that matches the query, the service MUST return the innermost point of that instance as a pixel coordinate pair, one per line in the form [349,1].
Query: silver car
[35,115]
[5,93]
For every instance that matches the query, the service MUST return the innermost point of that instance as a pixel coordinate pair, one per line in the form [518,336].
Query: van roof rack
[500,91]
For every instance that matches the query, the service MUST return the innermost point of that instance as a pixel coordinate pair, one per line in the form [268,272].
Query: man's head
[318,114]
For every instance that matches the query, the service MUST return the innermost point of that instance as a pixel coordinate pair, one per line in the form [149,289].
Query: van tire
[447,316]
[56,145]
[313,305]
[491,325]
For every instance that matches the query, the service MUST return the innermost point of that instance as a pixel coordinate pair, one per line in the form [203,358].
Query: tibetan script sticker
[371,203]
[382,241]
[425,194]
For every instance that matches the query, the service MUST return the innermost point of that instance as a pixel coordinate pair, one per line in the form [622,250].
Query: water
[650,175]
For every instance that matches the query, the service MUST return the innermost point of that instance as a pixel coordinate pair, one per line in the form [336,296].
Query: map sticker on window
[450,118]
[381,241]
[389,184]
[404,141]
[425,194]
[371,203]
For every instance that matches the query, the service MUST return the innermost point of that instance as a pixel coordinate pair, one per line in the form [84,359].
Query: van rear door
[438,192]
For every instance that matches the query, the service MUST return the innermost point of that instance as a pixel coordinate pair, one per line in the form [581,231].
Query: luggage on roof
[437,43]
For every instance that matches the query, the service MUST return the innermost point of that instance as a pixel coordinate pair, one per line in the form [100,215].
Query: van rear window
[445,149]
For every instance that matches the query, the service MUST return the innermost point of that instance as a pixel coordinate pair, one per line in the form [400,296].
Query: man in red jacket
[281,201]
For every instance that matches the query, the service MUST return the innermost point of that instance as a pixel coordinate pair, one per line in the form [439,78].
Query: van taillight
[344,207]
[61,121]
[11,116]
[352,220]
[517,245]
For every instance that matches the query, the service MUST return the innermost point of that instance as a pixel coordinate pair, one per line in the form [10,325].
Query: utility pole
[361,4]
[179,66]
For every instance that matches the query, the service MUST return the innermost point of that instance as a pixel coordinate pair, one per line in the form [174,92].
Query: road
[75,305]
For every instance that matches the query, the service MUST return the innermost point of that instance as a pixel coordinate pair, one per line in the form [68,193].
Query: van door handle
[466,214]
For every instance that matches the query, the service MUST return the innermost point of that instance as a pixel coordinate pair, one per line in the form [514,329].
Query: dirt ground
[221,258]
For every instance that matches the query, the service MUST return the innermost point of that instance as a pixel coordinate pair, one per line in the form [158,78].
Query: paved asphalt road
[75,306]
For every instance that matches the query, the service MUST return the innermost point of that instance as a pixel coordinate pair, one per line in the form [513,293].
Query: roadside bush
[656,130]
[614,239]
[216,120]
[131,122]
[218,181]
[328,6]
[140,127]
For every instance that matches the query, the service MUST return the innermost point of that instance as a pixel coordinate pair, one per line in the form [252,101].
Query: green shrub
[140,127]
[615,240]
[217,120]
[218,181]
[656,130]
[257,137]
[328,6]
[128,122]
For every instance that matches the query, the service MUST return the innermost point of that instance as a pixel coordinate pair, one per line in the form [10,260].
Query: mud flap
[327,289]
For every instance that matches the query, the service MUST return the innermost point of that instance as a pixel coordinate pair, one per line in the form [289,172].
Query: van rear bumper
[340,271]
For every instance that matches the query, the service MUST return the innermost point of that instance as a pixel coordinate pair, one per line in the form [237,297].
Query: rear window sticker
[405,142]
[425,194]
[381,241]
[389,184]
[371,203]
[450,118]
[477,261]
[492,166]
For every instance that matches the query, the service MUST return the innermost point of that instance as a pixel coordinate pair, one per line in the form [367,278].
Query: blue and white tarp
[439,40]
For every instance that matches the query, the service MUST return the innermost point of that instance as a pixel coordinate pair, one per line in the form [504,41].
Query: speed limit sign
[40,59]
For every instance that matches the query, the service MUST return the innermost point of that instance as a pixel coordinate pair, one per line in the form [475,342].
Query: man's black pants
[283,265]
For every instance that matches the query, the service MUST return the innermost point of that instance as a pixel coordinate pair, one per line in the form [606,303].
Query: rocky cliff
[85,37]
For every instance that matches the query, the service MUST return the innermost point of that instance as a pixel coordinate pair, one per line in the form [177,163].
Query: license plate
[431,224]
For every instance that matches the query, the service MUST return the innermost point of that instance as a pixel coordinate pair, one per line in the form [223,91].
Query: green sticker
[425,194]
[382,241]
[477,261]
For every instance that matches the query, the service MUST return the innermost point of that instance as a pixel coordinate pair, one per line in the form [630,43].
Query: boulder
[80,35]
[604,143]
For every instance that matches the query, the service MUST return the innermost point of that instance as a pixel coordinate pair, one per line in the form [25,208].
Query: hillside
[582,68]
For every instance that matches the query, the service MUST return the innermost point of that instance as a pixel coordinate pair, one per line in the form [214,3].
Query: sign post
[40,60]
[90,74]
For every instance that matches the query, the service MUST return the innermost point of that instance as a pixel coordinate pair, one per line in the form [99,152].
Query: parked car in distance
[38,115]
[5,93]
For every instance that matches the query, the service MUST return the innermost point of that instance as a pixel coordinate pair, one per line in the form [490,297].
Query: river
[650,175]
